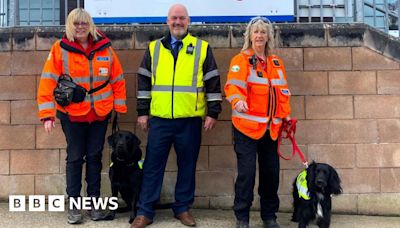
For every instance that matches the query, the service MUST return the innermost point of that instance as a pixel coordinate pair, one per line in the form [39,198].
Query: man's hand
[49,125]
[209,123]
[241,106]
[143,122]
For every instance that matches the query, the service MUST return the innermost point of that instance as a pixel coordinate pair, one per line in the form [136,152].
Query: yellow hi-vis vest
[178,90]
[301,184]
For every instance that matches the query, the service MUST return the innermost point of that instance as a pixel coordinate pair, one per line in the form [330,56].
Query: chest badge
[103,71]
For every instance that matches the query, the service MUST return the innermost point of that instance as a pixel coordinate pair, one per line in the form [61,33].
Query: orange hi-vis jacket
[266,93]
[89,71]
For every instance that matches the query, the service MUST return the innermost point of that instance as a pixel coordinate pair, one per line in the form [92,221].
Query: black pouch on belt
[68,91]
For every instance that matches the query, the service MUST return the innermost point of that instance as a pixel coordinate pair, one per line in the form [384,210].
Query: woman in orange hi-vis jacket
[85,54]
[258,92]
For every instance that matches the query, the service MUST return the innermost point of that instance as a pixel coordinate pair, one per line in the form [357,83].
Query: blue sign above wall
[207,11]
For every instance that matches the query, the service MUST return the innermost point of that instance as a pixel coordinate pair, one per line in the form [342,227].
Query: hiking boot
[242,224]
[74,216]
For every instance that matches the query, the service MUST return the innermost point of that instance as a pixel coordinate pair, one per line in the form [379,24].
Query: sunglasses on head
[258,18]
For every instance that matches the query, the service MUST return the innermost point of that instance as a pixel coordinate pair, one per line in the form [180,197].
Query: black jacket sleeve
[144,85]
[212,85]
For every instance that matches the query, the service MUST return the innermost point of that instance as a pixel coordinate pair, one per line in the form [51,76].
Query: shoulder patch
[235,68]
[276,62]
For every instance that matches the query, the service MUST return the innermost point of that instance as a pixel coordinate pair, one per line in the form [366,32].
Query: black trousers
[85,142]
[246,150]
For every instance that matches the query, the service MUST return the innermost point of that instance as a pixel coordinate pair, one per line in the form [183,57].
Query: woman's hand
[49,125]
[241,106]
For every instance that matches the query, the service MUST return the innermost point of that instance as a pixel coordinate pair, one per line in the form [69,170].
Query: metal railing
[381,14]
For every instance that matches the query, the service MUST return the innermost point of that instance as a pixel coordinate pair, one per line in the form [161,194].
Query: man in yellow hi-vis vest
[178,84]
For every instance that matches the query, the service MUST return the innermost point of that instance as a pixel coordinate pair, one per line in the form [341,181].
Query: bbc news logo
[57,203]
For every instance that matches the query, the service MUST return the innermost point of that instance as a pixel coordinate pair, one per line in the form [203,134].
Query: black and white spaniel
[312,191]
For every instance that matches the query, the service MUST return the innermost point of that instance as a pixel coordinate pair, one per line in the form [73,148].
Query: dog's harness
[289,128]
[301,184]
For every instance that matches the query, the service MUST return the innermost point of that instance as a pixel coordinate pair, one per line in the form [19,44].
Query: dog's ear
[110,140]
[334,182]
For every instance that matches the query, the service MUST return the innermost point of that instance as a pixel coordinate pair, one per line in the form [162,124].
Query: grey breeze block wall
[345,84]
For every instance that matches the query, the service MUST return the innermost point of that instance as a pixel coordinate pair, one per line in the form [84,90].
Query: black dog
[125,173]
[314,202]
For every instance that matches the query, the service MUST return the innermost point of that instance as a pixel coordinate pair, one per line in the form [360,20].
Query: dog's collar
[140,164]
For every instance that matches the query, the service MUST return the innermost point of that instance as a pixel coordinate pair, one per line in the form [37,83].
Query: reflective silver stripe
[144,72]
[49,76]
[196,62]
[210,74]
[255,79]
[214,96]
[64,56]
[237,82]
[230,98]
[120,101]
[155,58]
[46,105]
[83,79]
[189,89]
[143,94]
[303,191]
[119,78]
[86,79]
[98,97]
[249,117]
[281,80]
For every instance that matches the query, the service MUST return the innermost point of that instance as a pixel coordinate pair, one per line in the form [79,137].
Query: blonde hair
[79,15]
[260,24]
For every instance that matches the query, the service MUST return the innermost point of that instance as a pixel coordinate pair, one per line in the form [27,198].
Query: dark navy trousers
[246,150]
[185,135]
[85,142]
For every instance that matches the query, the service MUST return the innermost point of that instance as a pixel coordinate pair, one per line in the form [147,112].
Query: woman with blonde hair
[84,57]
[259,95]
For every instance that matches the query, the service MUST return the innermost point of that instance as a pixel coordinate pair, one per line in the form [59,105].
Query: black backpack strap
[98,87]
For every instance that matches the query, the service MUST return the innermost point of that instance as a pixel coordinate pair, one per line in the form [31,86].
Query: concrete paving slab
[165,219]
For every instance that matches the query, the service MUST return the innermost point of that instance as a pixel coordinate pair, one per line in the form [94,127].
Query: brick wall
[345,81]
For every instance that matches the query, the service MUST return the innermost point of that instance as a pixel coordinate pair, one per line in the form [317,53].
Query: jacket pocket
[283,102]
[258,99]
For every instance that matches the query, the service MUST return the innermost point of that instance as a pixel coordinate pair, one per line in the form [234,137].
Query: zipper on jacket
[173,85]
[275,103]
[197,97]
[91,82]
